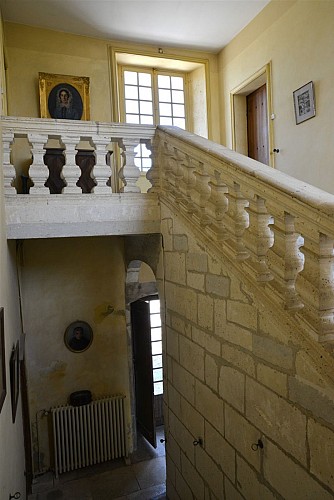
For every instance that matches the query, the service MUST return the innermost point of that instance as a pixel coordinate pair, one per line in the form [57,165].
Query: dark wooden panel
[257,125]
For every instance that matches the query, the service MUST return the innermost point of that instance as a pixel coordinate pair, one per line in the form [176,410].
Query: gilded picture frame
[78,336]
[64,96]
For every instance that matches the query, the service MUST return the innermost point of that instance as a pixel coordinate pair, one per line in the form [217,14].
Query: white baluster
[129,173]
[38,171]
[259,238]
[202,192]
[238,221]
[101,171]
[285,261]
[153,174]
[217,206]
[71,171]
[315,285]
[9,172]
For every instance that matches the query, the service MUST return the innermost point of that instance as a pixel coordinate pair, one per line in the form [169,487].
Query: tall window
[156,344]
[153,97]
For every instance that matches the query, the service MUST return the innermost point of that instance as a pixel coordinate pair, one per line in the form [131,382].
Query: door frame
[239,114]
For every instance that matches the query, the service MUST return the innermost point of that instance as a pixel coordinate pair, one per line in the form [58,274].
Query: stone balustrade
[276,232]
[99,138]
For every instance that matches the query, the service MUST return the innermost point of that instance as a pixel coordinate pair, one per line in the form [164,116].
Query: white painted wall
[297,37]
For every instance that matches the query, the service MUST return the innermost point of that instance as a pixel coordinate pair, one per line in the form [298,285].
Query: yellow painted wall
[33,50]
[11,435]
[298,38]
[65,280]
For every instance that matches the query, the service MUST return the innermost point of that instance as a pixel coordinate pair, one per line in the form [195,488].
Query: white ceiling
[194,24]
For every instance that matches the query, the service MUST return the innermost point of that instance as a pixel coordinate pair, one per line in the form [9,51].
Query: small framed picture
[304,102]
[63,96]
[14,370]
[78,336]
[2,360]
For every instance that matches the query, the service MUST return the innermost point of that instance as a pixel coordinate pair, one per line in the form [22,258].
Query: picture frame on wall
[78,336]
[2,360]
[64,97]
[304,102]
[14,371]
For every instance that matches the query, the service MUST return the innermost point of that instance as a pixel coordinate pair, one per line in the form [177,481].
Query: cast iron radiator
[89,434]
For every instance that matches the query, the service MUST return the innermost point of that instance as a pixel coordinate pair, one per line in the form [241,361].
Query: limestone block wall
[235,373]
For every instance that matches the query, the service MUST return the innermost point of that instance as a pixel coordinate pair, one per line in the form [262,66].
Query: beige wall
[297,37]
[237,371]
[11,435]
[33,50]
[65,280]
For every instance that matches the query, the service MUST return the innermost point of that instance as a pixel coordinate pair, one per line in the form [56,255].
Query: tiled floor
[144,479]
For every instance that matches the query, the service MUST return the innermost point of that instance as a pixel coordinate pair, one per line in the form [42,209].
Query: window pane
[164,82]
[146,164]
[137,162]
[155,334]
[156,347]
[177,82]
[180,122]
[165,109]
[132,119]
[158,388]
[178,110]
[130,77]
[154,306]
[131,107]
[145,93]
[157,375]
[178,96]
[146,108]
[144,79]
[164,95]
[157,361]
[146,120]
[146,153]
[166,121]
[155,320]
[131,92]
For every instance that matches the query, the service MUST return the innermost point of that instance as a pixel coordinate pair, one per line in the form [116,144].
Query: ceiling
[203,25]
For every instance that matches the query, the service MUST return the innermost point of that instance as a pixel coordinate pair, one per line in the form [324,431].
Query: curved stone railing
[101,138]
[276,231]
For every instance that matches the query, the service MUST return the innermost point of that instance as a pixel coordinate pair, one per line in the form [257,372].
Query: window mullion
[155,97]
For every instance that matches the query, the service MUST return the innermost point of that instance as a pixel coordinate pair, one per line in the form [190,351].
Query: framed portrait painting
[78,336]
[63,96]
[2,360]
[304,102]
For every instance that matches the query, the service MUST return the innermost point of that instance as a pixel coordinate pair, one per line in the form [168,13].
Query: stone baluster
[218,205]
[129,173]
[71,171]
[315,285]
[259,238]
[238,221]
[176,174]
[101,170]
[188,183]
[38,171]
[202,193]
[153,174]
[285,261]
[9,172]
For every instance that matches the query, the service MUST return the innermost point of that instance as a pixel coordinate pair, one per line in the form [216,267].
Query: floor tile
[150,472]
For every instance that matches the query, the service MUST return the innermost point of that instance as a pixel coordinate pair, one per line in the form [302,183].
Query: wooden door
[142,362]
[257,125]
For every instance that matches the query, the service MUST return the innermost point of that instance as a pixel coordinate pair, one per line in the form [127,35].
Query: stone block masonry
[236,375]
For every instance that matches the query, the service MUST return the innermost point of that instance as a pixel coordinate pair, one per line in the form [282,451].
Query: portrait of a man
[78,336]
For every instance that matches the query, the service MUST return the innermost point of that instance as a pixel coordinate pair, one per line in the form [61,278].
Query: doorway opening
[252,117]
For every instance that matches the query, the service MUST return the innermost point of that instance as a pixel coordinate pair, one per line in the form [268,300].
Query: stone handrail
[101,138]
[276,231]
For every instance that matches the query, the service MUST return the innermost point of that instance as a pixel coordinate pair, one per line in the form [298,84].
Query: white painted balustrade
[276,231]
